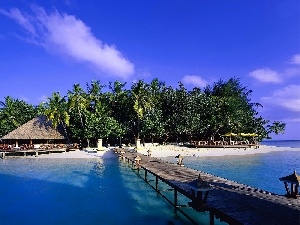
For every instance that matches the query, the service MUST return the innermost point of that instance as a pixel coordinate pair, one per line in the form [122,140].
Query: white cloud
[292,121]
[22,19]
[143,73]
[24,98]
[296,59]
[266,75]
[287,97]
[68,36]
[43,98]
[194,80]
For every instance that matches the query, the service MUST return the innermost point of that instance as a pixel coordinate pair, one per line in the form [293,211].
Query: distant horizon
[278,140]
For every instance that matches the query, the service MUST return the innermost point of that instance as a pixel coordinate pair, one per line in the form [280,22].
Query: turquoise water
[257,170]
[79,191]
[96,191]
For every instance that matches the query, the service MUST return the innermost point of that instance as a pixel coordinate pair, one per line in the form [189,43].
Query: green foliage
[56,111]
[13,113]
[142,101]
[277,127]
[152,110]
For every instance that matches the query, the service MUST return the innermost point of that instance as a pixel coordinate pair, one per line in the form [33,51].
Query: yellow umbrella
[230,134]
[248,134]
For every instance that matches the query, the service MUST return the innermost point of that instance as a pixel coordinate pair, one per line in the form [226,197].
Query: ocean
[96,191]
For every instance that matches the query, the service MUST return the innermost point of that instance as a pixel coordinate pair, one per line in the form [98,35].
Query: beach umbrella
[230,135]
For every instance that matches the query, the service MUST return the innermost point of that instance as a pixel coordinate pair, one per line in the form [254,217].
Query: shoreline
[165,151]
[172,151]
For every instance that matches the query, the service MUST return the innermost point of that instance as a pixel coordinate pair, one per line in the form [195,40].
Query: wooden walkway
[232,202]
[30,152]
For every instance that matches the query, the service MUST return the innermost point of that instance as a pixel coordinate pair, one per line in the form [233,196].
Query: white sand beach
[173,150]
[168,150]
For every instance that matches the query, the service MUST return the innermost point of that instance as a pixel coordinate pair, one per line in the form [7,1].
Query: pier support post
[205,197]
[287,188]
[296,190]
[146,175]
[156,183]
[211,218]
[175,200]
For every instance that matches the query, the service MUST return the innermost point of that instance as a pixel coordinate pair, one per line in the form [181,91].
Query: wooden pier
[227,200]
[30,152]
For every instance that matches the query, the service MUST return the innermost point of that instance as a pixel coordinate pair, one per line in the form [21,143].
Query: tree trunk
[138,133]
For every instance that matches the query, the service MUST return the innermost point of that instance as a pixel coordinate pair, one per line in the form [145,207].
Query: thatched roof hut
[37,128]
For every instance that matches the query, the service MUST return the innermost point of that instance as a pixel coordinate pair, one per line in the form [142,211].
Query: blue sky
[47,46]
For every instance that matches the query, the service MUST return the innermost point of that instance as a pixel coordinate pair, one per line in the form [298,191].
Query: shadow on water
[77,191]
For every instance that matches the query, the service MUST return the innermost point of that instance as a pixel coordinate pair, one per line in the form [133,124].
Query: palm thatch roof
[37,128]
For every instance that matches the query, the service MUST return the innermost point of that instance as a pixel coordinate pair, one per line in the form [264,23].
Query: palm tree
[94,95]
[56,111]
[141,101]
[77,102]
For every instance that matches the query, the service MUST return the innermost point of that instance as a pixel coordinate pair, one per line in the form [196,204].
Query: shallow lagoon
[96,191]
[79,191]
[258,170]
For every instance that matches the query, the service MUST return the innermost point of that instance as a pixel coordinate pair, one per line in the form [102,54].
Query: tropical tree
[153,124]
[276,127]
[120,106]
[56,111]
[13,113]
[77,106]
[141,101]
[198,114]
[148,110]
[232,110]
[77,102]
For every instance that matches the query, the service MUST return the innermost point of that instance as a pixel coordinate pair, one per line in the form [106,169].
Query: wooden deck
[230,201]
[30,152]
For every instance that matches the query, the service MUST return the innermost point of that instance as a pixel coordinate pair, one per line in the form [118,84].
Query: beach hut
[38,130]
[294,180]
